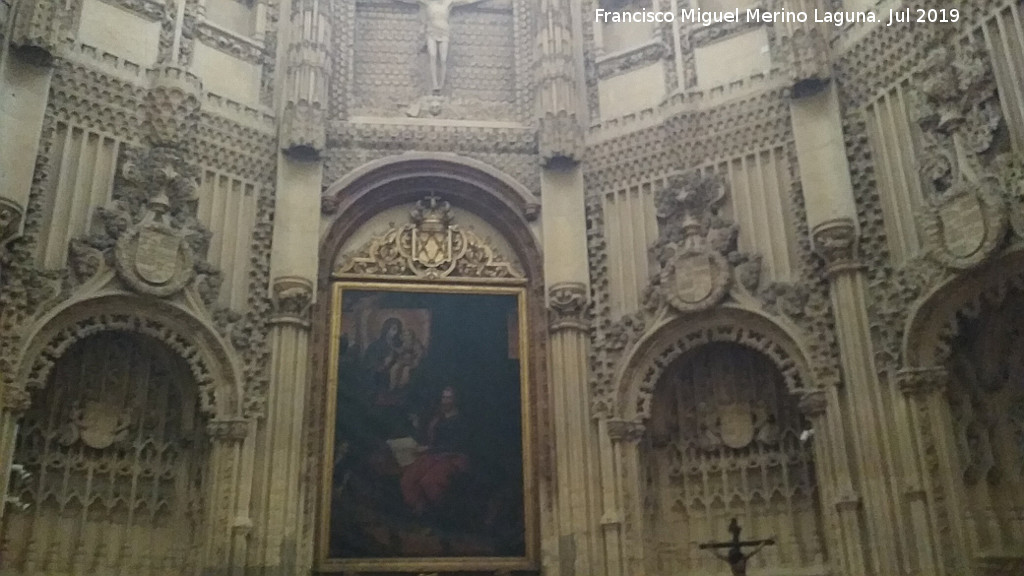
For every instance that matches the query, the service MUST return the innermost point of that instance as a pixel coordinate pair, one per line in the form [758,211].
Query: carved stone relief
[116,453]
[723,441]
[431,246]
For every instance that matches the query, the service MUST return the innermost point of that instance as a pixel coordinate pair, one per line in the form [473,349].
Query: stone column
[837,242]
[944,546]
[280,524]
[574,432]
[623,483]
[14,401]
[226,528]
[839,501]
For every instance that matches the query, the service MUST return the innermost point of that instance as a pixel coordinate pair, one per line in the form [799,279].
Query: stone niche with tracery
[986,394]
[116,449]
[723,441]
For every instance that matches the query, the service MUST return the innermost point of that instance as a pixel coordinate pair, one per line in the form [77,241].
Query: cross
[735,557]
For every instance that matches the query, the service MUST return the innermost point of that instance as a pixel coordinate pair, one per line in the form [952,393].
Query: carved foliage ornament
[958,112]
[431,246]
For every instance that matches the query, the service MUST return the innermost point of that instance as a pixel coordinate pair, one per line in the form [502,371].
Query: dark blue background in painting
[468,349]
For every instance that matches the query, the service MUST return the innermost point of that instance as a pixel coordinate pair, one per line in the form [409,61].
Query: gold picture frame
[385,509]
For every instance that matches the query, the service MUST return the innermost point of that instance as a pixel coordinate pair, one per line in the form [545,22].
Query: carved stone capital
[172,105]
[837,241]
[560,138]
[625,430]
[847,501]
[567,304]
[814,404]
[920,382]
[15,398]
[10,220]
[292,298]
[231,430]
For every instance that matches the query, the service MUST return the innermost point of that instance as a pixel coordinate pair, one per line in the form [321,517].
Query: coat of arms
[153,257]
[157,254]
[98,425]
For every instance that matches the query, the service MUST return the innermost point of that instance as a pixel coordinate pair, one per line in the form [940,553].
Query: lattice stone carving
[431,246]
[723,441]
[117,452]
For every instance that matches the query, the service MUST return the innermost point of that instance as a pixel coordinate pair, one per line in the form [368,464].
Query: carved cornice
[567,305]
[10,220]
[838,243]
[623,62]
[922,382]
[292,298]
[626,431]
[14,398]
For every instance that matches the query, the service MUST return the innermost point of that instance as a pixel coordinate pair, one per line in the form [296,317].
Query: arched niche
[723,442]
[970,330]
[117,448]
[494,214]
[214,370]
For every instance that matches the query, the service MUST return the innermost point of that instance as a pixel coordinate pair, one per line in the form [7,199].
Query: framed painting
[427,451]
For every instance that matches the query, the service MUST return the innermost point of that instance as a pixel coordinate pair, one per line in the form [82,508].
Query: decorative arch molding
[652,355]
[469,184]
[215,373]
[932,321]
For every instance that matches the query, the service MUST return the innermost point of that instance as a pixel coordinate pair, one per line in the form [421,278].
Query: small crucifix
[735,557]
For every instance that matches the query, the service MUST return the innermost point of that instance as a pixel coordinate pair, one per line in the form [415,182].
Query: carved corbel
[560,138]
[302,130]
[15,398]
[36,30]
[838,243]
[567,304]
[292,299]
[626,431]
[805,47]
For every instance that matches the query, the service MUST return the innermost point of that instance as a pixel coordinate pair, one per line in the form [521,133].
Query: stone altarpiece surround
[728,236]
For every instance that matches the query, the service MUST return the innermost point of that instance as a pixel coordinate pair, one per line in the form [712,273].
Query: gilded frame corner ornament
[531,535]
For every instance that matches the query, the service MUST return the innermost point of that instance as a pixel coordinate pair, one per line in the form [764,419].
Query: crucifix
[735,557]
[437,29]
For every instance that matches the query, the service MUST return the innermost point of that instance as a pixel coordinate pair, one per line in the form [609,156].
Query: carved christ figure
[437,28]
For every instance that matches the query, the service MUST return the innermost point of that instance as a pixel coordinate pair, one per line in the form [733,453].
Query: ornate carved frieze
[431,246]
[567,306]
[651,53]
[838,242]
[292,298]
[965,221]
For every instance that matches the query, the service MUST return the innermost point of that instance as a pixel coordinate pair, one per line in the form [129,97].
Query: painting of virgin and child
[428,431]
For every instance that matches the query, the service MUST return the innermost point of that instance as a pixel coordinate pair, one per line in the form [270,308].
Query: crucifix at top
[735,557]
[437,28]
